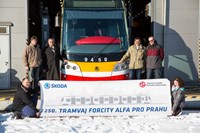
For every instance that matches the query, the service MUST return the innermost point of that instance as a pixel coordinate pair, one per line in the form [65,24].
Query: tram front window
[77,29]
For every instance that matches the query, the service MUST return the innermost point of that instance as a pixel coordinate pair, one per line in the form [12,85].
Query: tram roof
[93,4]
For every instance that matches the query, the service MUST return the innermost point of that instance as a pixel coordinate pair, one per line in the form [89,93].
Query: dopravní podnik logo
[48,85]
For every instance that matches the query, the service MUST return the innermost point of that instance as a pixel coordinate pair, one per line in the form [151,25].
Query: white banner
[105,98]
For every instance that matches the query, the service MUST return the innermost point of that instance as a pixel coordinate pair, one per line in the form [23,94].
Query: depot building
[175,24]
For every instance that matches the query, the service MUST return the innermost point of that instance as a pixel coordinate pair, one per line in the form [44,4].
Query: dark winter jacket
[51,58]
[21,99]
[178,95]
[154,56]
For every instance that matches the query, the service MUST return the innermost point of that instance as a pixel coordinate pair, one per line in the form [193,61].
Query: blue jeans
[132,73]
[34,99]
[33,76]
[28,112]
[154,73]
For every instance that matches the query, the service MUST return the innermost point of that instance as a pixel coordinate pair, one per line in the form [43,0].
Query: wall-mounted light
[57,20]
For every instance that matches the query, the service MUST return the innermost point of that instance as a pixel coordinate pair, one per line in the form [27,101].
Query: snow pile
[188,122]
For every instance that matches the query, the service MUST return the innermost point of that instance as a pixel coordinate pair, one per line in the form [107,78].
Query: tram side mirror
[130,21]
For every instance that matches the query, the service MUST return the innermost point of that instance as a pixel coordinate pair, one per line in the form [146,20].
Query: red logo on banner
[142,84]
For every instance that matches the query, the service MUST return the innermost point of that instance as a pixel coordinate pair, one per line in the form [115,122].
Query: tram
[94,37]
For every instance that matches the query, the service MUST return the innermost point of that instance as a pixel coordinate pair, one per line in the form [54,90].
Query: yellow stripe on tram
[96,66]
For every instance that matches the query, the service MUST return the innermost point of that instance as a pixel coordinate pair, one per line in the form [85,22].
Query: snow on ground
[188,122]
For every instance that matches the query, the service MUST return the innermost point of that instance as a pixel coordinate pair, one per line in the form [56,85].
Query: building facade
[14,14]
[176,25]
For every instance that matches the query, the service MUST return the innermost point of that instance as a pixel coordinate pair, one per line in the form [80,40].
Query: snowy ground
[188,122]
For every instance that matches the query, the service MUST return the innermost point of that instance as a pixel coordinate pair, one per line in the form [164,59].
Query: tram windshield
[89,32]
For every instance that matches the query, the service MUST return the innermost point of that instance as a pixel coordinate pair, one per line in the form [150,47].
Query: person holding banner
[136,55]
[51,57]
[23,105]
[178,96]
[154,58]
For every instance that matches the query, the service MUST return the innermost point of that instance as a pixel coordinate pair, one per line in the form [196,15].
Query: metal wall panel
[176,26]
[16,11]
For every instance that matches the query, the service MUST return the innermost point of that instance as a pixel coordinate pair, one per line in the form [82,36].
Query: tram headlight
[121,66]
[72,66]
[117,68]
[68,66]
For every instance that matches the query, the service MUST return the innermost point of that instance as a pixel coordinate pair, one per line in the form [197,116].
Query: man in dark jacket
[22,103]
[51,57]
[154,58]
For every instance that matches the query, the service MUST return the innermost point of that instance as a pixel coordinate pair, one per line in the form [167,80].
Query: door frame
[7,25]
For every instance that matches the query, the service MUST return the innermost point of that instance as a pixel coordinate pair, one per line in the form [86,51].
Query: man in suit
[51,57]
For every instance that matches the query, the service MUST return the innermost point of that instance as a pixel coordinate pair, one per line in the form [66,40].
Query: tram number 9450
[105,59]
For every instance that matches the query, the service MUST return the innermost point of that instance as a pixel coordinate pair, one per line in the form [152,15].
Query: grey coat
[178,96]
[51,63]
